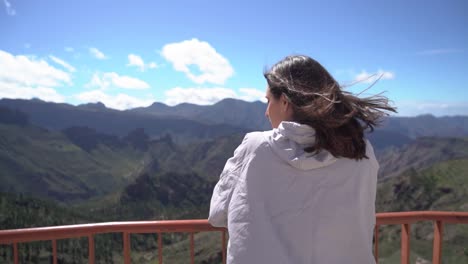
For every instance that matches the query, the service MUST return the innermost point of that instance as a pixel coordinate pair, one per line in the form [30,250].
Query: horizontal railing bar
[84,230]
[395,218]
[187,226]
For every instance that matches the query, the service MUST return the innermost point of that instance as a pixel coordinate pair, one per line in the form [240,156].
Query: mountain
[227,111]
[428,126]
[383,139]
[188,122]
[81,163]
[48,164]
[251,116]
[176,182]
[15,117]
[441,186]
[238,113]
[57,117]
[94,106]
[395,132]
[89,139]
[186,110]
[419,154]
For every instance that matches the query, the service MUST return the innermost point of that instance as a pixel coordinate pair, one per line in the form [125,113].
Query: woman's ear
[284,102]
[286,107]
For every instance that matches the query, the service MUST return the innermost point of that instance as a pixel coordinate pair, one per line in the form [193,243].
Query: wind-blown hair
[338,117]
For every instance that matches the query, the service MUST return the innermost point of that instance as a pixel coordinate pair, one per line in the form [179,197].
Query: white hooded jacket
[283,205]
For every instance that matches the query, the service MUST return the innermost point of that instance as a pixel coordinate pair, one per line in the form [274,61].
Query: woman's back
[303,192]
[288,206]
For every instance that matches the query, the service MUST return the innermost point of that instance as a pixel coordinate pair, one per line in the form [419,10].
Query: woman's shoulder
[255,140]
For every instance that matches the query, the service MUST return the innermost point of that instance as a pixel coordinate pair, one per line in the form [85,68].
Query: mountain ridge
[205,121]
[62,116]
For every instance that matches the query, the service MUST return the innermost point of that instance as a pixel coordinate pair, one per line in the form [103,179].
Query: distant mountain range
[78,152]
[79,163]
[57,117]
[189,122]
[420,154]
[228,111]
[252,116]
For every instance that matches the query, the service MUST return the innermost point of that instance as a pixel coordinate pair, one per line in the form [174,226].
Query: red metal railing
[405,219]
[54,233]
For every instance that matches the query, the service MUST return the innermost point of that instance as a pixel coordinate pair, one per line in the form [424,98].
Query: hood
[288,142]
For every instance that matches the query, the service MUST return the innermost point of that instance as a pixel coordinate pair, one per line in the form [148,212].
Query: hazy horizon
[182,103]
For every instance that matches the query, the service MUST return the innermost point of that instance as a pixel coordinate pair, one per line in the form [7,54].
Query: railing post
[437,243]
[376,244]
[223,244]
[192,249]
[405,243]
[90,249]
[160,248]
[126,245]
[54,251]
[15,253]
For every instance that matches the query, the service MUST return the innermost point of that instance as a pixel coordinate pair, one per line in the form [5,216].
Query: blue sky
[130,54]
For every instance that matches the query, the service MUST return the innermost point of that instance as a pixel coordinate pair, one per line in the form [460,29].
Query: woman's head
[302,90]
[278,109]
[291,84]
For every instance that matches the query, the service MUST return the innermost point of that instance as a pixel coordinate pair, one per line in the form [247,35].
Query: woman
[303,192]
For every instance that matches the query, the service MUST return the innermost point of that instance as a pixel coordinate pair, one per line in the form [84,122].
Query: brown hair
[338,117]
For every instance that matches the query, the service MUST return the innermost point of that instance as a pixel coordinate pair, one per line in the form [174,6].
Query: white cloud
[120,101]
[97,54]
[27,77]
[69,49]
[30,71]
[437,108]
[137,61]
[207,96]
[9,9]
[62,63]
[439,51]
[108,79]
[366,77]
[251,94]
[212,66]
[20,91]
[201,96]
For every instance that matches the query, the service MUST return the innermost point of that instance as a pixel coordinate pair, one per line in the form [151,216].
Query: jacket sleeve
[223,190]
